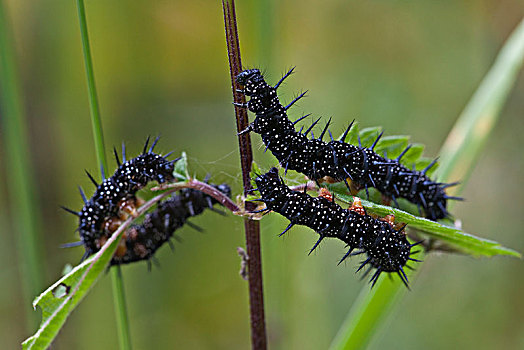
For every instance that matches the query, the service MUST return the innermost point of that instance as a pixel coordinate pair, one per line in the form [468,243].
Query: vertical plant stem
[96,123]
[462,146]
[124,335]
[24,213]
[252,228]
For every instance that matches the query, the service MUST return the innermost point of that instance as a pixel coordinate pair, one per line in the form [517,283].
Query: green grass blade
[91,87]
[24,213]
[463,146]
[116,275]
[358,327]
[392,145]
[414,153]
[119,296]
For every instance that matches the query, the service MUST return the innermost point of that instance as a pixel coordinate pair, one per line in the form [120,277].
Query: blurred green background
[161,69]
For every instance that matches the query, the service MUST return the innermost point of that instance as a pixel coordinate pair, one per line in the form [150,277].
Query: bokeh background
[161,69]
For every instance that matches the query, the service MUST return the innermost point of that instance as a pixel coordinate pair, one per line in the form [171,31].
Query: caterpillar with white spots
[115,197]
[114,200]
[336,159]
[386,246]
[140,242]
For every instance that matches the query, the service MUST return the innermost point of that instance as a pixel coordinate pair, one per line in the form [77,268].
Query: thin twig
[203,187]
[252,228]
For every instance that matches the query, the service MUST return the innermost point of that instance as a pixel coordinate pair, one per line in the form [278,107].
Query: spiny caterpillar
[115,199]
[115,196]
[336,159]
[140,242]
[386,247]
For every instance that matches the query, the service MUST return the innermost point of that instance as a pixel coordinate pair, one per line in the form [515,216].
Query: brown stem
[203,187]
[252,228]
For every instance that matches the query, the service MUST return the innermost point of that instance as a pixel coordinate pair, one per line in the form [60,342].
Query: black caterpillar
[336,159]
[115,199]
[387,248]
[140,242]
[116,194]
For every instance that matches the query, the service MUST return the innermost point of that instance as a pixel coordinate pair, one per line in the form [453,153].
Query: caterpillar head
[391,252]
[225,189]
[270,186]
[250,79]
[161,169]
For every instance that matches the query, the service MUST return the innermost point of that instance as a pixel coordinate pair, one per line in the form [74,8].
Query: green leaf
[391,146]
[423,162]
[61,298]
[463,242]
[413,154]
[255,171]
[352,136]
[181,171]
[369,135]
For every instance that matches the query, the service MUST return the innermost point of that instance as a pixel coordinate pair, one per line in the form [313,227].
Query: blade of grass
[471,131]
[124,336]
[24,213]
[462,147]
[96,122]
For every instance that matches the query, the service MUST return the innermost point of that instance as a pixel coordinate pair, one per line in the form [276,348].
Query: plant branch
[203,187]
[252,228]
